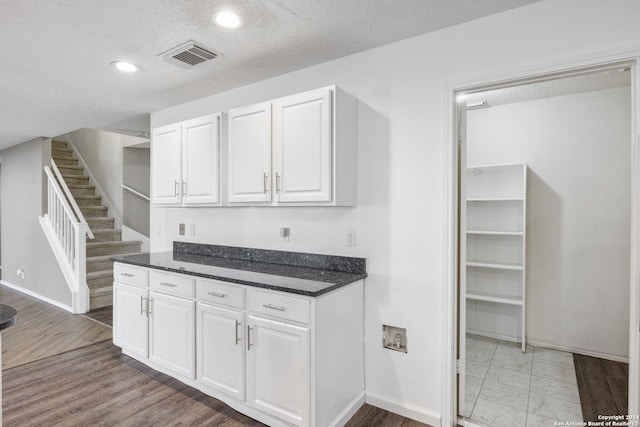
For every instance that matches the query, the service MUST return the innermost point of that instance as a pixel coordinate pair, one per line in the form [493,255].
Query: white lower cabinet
[151,325]
[281,358]
[130,326]
[172,333]
[220,357]
[278,369]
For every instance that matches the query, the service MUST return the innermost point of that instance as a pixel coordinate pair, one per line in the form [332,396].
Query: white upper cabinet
[250,154]
[201,161]
[300,150]
[302,147]
[186,163]
[166,152]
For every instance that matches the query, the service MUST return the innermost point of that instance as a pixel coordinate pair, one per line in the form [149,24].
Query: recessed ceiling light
[125,66]
[227,19]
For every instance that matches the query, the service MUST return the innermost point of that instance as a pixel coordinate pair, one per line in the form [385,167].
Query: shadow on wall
[544,252]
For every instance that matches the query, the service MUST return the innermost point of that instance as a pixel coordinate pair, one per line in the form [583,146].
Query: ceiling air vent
[188,54]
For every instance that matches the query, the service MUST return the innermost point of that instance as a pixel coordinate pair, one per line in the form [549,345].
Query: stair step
[100,211]
[57,145]
[100,297]
[82,190]
[107,235]
[103,262]
[71,170]
[100,279]
[100,222]
[75,179]
[61,152]
[65,161]
[87,200]
[113,248]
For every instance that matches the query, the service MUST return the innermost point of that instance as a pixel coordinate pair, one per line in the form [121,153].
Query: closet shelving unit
[495,237]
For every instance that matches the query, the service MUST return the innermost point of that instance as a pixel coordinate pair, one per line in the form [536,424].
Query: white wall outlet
[285,232]
[20,273]
[181,229]
[351,237]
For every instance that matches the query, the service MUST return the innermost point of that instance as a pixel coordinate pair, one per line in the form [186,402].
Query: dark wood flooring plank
[602,385]
[42,330]
[103,315]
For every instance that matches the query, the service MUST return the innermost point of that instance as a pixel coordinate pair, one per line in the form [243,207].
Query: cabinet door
[220,359]
[302,147]
[278,369]
[250,154]
[166,172]
[172,333]
[201,161]
[130,326]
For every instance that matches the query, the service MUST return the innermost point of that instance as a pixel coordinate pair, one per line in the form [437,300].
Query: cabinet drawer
[280,306]
[129,274]
[221,293]
[174,284]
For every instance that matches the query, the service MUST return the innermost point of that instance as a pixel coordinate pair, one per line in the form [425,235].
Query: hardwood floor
[97,385]
[103,315]
[42,330]
[603,386]
[83,379]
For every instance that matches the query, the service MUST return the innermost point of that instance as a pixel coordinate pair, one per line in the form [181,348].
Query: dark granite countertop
[240,265]
[7,316]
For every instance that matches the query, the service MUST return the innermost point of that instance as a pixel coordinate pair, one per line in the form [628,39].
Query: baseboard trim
[37,296]
[403,409]
[349,411]
[599,355]
[495,336]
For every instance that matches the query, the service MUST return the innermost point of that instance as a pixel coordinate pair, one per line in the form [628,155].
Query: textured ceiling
[55,73]
[590,82]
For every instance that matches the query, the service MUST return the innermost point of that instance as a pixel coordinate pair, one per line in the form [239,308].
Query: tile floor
[506,388]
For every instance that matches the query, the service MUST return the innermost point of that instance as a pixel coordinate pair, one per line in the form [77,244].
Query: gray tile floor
[507,388]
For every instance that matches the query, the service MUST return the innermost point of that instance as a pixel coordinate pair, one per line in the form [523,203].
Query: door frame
[452,152]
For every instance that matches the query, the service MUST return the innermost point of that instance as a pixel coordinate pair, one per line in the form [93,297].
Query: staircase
[108,240]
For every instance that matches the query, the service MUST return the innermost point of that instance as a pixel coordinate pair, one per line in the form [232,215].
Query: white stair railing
[67,230]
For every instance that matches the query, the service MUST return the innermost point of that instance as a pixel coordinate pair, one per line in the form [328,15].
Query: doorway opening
[545,217]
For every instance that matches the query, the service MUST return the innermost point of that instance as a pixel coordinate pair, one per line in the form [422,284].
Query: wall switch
[285,232]
[181,229]
[351,237]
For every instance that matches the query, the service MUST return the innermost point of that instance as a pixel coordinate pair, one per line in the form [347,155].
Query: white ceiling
[55,73]
[581,83]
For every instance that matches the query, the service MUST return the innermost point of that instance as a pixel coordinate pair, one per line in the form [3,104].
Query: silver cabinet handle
[142,305]
[127,274]
[273,307]
[249,328]
[277,182]
[149,305]
[237,338]
[175,188]
[266,179]
[184,187]
[171,285]
[217,294]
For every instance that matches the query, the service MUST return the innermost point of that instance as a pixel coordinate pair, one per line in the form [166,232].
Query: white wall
[403,128]
[577,148]
[24,244]
[102,153]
